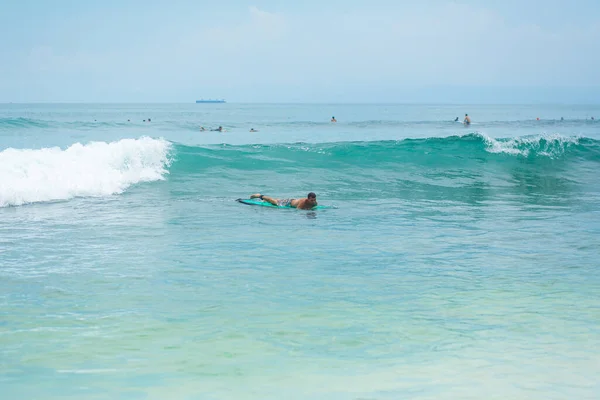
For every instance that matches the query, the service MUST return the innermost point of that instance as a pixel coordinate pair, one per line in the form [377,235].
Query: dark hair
[311,194]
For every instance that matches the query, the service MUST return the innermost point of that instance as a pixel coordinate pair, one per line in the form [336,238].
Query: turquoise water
[453,262]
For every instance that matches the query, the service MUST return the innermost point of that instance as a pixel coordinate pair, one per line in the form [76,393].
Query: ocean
[452,262]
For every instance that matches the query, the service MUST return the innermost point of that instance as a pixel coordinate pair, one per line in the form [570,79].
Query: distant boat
[210,101]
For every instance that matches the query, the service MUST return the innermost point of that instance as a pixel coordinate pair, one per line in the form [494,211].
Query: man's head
[312,198]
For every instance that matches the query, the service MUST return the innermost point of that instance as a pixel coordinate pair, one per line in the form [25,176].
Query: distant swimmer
[219,129]
[467,120]
[562,119]
[304,204]
[202,129]
[456,120]
[333,119]
[253,130]
[149,120]
[592,118]
[537,119]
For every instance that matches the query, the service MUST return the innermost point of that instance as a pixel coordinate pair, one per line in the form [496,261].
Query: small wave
[93,169]
[22,123]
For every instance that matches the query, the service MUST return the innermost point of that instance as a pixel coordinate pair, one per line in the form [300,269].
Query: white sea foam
[552,146]
[93,169]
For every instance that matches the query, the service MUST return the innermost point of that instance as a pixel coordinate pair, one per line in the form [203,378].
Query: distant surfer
[219,129]
[333,119]
[456,120]
[304,204]
[253,130]
[202,129]
[467,120]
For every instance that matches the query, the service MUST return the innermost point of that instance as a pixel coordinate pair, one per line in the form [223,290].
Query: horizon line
[307,103]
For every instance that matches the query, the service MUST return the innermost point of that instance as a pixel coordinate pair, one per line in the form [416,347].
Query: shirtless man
[467,120]
[304,204]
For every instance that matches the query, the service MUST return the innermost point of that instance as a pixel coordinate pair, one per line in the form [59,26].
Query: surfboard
[258,202]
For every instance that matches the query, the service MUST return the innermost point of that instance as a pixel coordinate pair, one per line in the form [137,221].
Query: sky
[311,51]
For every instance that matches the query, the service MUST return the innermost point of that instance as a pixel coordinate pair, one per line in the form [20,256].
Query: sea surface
[452,261]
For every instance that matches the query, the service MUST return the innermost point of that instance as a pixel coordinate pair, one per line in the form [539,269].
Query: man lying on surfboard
[304,204]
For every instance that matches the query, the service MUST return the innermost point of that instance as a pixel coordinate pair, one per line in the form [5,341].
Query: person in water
[304,204]
[333,119]
[219,129]
[253,130]
[456,120]
[467,120]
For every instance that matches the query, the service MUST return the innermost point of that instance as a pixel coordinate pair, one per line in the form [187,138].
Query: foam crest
[93,169]
[552,146]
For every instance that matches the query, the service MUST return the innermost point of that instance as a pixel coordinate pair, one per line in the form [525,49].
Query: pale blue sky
[309,51]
